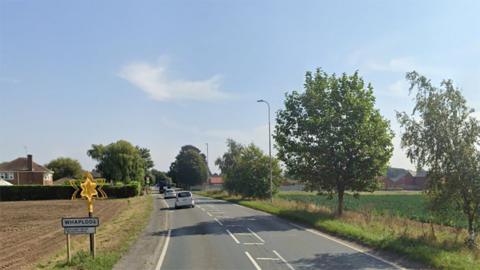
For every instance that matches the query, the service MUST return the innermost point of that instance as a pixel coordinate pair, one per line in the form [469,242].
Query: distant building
[23,171]
[398,178]
[215,180]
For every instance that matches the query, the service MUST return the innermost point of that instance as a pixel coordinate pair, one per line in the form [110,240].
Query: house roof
[216,180]
[396,174]
[20,164]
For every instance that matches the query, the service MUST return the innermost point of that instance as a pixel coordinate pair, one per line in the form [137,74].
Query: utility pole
[208,171]
[269,148]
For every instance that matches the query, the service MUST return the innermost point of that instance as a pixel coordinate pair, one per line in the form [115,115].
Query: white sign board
[80,222]
[79,230]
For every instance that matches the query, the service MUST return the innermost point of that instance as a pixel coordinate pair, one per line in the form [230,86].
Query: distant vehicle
[170,193]
[184,199]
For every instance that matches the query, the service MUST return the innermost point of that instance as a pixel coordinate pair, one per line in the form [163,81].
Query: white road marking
[233,236]
[208,213]
[283,260]
[255,244]
[347,245]
[253,261]
[164,251]
[243,233]
[202,209]
[268,259]
[256,235]
[218,221]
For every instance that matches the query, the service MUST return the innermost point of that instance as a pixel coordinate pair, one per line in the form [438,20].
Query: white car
[170,193]
[184,199]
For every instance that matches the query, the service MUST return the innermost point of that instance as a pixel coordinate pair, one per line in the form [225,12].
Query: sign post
[69,255]
[84,225]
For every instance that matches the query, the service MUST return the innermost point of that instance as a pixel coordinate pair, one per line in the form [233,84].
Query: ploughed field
[408,205]
[30,230]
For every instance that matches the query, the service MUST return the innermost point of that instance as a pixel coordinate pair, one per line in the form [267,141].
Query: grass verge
[438,246]
[113,239]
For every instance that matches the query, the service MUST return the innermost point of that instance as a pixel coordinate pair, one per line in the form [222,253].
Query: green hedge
[27,193]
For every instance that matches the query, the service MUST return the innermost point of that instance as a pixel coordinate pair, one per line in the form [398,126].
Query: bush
[27,193]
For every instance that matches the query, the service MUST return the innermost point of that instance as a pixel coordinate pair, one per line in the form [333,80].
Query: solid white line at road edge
[164,251]
[347,245]
[283,260]
[253,261]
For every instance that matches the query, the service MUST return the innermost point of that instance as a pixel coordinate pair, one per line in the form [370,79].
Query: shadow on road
[329,261]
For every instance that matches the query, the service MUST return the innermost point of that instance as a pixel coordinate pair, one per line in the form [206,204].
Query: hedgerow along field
[410,205]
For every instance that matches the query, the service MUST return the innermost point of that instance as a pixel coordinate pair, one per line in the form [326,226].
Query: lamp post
[208,171]
[269,147]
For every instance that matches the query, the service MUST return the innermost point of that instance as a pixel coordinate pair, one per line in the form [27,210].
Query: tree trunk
[471,232]
[340,193]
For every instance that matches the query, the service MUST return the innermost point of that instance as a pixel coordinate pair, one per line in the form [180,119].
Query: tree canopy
[442,135]
[332,137]
[189,168]
[119,161]
[65,167]
[161,177]
[246,170]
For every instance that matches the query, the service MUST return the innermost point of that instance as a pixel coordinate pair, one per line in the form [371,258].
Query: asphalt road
[221,235]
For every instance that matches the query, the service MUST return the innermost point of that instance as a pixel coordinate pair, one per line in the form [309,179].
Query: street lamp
[269,147]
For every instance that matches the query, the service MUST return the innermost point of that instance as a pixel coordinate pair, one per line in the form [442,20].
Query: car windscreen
[184,194]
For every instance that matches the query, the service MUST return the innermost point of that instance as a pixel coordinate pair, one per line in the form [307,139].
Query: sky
[163,74]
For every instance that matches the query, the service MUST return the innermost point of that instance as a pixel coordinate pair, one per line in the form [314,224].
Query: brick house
[23,171]
[398,178]
[215,180]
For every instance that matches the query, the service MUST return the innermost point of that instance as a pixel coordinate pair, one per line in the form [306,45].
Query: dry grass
[112,238]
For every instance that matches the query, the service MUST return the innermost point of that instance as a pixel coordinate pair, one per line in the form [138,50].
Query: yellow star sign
[89,190]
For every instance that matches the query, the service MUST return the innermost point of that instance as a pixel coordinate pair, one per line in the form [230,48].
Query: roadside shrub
[28,193]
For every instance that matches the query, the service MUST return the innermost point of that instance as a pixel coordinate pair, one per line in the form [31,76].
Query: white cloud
[476,114]
[399,88]
[401,64]
[154,80]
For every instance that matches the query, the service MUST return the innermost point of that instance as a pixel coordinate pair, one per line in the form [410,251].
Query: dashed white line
[208,213]
[164,251]
[347,245]
[202,209]
[253,261]
[283,260]
[254,244]
[218,221]
[268,259]
[233,236]
[256,235]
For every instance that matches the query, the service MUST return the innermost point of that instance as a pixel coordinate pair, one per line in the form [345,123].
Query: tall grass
[411,206]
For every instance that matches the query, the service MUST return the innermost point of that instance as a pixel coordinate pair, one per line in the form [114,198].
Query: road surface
[221,235]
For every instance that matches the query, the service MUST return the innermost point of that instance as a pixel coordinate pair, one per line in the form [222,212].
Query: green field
[409,205]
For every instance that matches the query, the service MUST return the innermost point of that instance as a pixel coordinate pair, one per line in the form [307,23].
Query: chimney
[29,163]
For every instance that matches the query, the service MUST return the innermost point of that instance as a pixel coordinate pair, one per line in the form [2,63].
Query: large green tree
[189,168]
[65,167]
[161,177]
[246,170]
[119,161]
[332,137]
[442,135]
